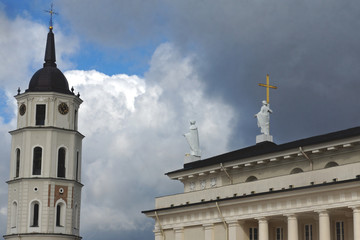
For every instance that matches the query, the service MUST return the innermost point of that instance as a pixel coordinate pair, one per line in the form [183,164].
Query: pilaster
[209,231]
[234,230]
[179,233]
[158,234]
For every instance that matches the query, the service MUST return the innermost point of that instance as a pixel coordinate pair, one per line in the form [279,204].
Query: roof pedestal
[264,138]
[191,158]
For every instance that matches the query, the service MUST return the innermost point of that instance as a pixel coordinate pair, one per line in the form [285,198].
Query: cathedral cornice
[259,194]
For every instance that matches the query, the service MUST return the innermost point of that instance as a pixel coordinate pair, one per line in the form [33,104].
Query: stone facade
[307,189]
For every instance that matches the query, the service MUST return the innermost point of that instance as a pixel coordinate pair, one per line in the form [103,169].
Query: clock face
[22,109]
[63,108]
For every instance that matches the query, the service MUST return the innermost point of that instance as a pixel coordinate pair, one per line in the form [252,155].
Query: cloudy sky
[145,68]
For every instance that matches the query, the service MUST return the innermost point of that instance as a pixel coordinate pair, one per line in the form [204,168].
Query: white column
[263,229]
[234,229]
[356,220]
[209,231]
[179,233]
[158,235]
[324,225]
[293,233]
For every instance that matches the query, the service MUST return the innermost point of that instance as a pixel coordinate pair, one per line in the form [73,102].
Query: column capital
[262,219]
[157,230]
[208,226]
[322,211]
[179,229]
[157,234]
[232,222]
[291,215]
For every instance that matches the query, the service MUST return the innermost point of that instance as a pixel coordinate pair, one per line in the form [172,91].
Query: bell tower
[44,189]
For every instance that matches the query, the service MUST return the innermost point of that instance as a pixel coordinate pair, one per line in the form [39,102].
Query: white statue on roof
[263,118]
[192,138]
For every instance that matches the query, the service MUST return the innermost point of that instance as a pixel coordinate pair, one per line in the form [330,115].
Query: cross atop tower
[267,85]
[51,12]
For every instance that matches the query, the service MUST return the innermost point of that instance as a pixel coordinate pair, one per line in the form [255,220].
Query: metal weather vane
[51,12]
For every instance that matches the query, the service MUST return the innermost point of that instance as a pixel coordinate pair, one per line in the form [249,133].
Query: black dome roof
[49,78]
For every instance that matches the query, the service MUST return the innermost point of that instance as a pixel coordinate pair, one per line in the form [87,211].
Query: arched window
[35,213]
[251,179]
[61,163]
[60,215]
[331,164]
[14,215]
[17,167]
[37,161]
[296,170]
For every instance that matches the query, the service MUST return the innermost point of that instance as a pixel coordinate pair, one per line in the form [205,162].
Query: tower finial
[51,12]
[50,57]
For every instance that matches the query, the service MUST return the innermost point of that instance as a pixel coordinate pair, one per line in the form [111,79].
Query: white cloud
[134,128]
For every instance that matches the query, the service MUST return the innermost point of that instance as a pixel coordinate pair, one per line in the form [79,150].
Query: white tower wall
[47,187]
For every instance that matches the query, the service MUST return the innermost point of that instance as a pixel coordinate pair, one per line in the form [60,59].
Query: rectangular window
[339,231]
[75,120]
[279,234]
[17,162]
[308,232]
[40,114]
[253,234]
[77,167]
[37,161]
[61,162]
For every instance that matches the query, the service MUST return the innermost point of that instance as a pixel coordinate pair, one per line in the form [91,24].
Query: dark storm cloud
[309,48]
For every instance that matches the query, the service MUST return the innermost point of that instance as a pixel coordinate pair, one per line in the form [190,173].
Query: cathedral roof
[49,78]
[268,148]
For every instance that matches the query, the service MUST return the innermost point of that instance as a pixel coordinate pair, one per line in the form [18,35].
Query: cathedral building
[44,197]
[307,189]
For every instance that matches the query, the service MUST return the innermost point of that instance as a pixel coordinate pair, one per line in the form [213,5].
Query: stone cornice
[42,128]
[44,178]
[276,194]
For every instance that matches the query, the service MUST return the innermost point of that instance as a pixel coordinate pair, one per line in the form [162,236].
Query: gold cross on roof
[268,86]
